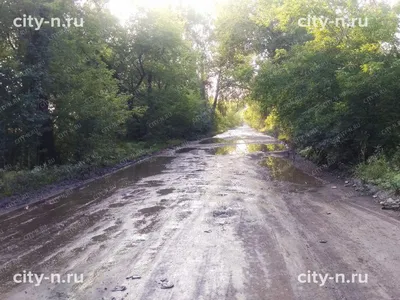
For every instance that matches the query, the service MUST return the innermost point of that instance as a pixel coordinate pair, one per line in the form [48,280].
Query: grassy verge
[382,171]
[13,182]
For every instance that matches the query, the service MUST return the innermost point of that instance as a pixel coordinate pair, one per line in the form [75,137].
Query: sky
[123,8]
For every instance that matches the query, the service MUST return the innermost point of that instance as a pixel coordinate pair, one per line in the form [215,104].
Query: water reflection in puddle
[283,170]
[216,141]
[266,147]
[242,148]
[233,147]
[185,150]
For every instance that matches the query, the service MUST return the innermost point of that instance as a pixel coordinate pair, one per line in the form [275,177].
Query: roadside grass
[381,171]
[13,182]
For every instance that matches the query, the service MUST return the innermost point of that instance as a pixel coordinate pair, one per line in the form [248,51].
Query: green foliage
[335,90]
[253,115]
[376,169]
[228,117]
[395,182]
[84,94]
[381,171]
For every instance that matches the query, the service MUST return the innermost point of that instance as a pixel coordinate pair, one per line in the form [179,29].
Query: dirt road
[223,218]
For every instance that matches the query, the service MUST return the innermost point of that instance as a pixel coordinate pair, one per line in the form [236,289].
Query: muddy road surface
[223,218]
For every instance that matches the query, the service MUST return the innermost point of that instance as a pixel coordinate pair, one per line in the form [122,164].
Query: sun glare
[122,9]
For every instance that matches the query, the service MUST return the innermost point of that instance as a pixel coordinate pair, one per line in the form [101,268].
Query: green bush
[379,170]
[375,169]
[395,182]
[395,160]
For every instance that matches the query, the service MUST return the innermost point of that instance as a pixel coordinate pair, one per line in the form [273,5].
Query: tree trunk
[214,107]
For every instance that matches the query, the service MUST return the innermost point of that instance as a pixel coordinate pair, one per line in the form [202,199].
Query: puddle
[72,203]
[283,170]
[151,210]
[164,192]
[234,147]
[225,150]
[216,141]
[152,183]
[185,150]
[242,148]
[265,147]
